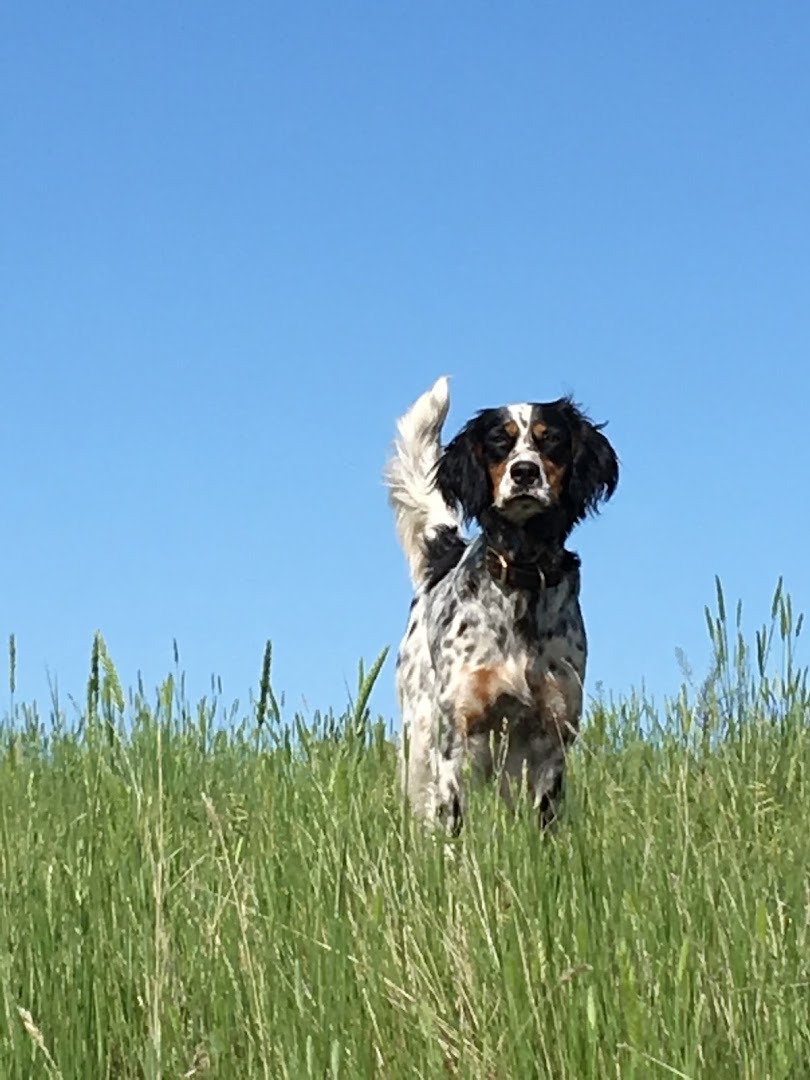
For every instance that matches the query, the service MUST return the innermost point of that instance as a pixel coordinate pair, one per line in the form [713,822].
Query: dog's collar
[543,573]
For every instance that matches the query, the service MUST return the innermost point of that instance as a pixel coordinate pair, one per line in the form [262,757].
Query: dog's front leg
[450,801]
[547,778]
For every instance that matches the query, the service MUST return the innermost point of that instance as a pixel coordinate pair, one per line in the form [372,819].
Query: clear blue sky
[239,239]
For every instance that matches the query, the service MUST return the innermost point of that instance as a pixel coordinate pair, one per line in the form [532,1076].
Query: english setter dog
[492,663]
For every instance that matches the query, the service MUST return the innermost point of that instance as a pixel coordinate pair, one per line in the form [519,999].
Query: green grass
[183,895]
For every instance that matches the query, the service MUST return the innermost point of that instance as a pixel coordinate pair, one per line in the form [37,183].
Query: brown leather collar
[540,575]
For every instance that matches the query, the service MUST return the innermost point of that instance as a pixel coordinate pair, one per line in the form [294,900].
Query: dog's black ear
[594,470]
[461,474]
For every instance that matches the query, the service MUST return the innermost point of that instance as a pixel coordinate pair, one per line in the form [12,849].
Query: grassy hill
[186,895]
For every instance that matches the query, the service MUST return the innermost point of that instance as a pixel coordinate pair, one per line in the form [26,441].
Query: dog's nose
[525,473]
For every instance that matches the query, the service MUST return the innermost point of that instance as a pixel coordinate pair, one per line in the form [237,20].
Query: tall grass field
[190,892]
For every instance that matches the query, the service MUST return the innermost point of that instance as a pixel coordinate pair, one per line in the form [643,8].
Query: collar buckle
[527,576]
[502,574]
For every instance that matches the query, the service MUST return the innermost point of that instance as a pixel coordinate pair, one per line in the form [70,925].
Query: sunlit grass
[185,894]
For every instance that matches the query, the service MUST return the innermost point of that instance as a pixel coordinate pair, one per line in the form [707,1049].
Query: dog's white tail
[419,508]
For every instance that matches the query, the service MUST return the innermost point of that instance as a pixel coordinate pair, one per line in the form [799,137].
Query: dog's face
[525,460]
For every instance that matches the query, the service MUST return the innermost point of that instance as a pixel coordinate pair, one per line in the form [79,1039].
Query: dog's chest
[503,655]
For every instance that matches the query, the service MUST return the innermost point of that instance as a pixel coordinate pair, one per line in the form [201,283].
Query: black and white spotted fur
[490,671]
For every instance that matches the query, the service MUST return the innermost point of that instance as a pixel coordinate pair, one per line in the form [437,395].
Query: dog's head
[528,460]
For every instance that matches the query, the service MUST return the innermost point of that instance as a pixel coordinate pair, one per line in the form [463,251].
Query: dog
[490,670]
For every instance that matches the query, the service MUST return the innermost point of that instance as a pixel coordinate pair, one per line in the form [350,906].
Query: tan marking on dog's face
[555,470]
[497,471]
[555,474]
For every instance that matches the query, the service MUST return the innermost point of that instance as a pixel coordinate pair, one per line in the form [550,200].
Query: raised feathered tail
[429,531]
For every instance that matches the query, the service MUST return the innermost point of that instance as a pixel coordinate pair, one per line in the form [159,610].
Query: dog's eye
[502,440]
[549,440]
